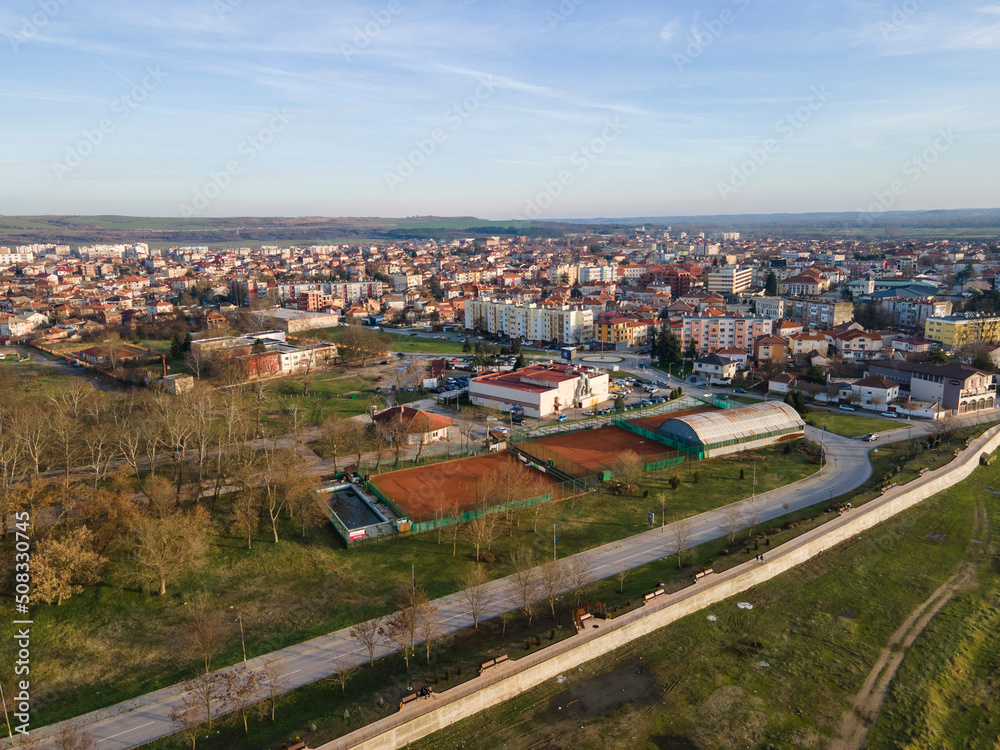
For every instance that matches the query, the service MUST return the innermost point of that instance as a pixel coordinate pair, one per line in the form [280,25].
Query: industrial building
[742,428]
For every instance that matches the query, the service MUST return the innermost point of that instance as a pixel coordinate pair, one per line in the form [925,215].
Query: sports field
[454,486]
[587,452]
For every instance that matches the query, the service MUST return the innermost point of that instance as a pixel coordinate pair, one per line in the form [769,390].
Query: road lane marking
[127,731]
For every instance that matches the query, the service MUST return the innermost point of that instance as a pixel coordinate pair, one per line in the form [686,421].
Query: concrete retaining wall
[427,716]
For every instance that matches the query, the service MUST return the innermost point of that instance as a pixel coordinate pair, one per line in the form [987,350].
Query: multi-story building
[540,390]
[349,291]
[608,273]
[614,332]
[531,322]
[803,284]
[710,334]
[403,281]
[769,307]
[955,388]
[563,273]
[913,313]
[729,279]
[819,313]
[955,330]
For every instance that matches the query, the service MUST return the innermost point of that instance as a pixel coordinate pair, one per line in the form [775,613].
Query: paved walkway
[143,719]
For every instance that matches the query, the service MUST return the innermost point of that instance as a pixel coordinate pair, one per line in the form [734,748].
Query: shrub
[741,473]
[487,557]
[527,644]
[697,477]
[787,449]
[538,639]
[552,634]
[645,493]
[674,482]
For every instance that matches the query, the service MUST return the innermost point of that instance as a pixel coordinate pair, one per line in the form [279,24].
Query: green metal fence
[382,496]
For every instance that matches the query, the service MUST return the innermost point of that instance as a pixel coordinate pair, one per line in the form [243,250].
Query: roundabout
[611,359]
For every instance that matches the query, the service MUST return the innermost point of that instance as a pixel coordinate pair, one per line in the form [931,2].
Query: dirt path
[853,731]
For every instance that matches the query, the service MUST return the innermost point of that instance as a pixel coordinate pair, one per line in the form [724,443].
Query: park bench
[500,660]
[702,574]
[486,665]
[407,699]
[647,597]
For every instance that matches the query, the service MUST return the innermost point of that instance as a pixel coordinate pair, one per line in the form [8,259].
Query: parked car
[739,390]
[516,419]
[871,437]
[588,413]
[845,407]
[890,414]
[562,417]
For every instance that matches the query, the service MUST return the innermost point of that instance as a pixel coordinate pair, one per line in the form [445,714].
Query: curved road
[146,718]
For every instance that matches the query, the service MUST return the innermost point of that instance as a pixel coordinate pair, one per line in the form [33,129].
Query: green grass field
[848,424]
[403,342]
[782,674]
[112,642]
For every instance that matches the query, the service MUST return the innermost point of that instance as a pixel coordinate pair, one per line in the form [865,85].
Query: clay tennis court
[594,450]
[417,492]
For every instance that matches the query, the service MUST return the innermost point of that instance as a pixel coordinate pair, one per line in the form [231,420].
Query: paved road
[147,718]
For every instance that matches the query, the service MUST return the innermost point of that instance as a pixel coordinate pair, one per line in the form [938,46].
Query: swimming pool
[351,508]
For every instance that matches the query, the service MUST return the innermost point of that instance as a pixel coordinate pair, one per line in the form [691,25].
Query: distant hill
[970,224]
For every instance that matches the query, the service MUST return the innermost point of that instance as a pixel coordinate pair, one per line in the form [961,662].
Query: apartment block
[729,280]
[955,330]
[710,334]
[532,322]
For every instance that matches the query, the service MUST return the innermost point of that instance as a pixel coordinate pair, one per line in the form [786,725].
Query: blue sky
[497,109]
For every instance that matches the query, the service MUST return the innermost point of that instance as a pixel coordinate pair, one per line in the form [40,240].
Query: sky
[501,109]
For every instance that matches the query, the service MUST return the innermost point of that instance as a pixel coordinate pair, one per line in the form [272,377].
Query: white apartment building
[729,280]
[403,281]
[557,271]
[607,273]
[532,322]
[770,307]
[349,291]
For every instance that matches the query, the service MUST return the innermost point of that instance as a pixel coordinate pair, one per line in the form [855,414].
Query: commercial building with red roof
[540,390]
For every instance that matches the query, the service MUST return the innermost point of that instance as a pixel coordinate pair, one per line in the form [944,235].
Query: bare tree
[190,718]
[72,738]
[752,520]
[680,532]
[163,548]
[623,571]
[242,689]
[206,628]
[735,521]
[342,673]
[246,513]
[475,594]
[276,678]
[482,531]
[579,575]
[628,467]
[551,583]
[524,586]
[369,634]
[428,625]
[207,689]
[399,628]
[62,567]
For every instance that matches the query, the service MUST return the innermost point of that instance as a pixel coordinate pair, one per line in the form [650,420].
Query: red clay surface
[417,492]
[598,449]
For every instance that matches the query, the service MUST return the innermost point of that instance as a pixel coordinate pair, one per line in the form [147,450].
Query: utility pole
[239,618]
[753,495]
[554,542]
